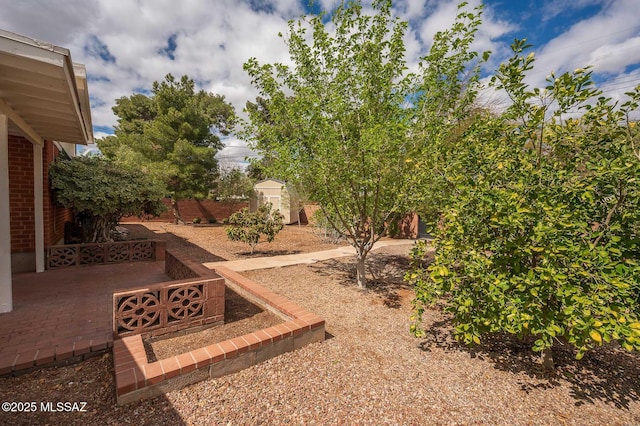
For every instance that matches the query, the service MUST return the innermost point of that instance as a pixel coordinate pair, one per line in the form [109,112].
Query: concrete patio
[66,313]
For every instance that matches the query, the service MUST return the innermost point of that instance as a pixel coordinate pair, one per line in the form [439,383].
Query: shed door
[274,200]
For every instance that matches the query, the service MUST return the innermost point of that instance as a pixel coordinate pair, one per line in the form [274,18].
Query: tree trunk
[547,359]
[177,217]
[360,271]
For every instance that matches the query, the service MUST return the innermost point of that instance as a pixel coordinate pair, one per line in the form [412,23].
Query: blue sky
[126,45]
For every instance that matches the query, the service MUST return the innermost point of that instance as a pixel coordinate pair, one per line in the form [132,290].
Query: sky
[126,45]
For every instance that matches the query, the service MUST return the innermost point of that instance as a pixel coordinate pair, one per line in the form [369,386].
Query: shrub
[100,192]
[541,238]
[249,227]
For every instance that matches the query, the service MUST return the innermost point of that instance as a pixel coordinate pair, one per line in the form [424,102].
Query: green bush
[542,234]
[100,192]
[249,227]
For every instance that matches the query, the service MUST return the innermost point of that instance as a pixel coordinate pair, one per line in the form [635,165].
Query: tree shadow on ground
[267,252]
[181,246]
[91,382]
[385,274]
[237,308]
[608,373]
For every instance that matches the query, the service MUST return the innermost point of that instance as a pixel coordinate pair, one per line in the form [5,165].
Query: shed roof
[267,181]
[43,92]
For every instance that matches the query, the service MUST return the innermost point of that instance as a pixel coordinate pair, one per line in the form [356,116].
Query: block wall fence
[190,209]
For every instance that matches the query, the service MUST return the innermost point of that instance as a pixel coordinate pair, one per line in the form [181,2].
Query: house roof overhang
[43,92]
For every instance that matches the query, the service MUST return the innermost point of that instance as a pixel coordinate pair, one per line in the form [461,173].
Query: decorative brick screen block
[176,269]
[91,254]
[94,254]
[138,312]
[169,307]
[61,256]
[142,251]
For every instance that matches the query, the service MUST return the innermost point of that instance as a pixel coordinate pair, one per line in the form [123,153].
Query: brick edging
[63,352]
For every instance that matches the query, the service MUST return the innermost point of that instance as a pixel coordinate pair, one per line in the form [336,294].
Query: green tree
[100,192]
[258,167]
[541,234]
[249,227]
[255,170]
[173,134]
[346,121]
[233,186]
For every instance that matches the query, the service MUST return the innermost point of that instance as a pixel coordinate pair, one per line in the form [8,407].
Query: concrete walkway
[296,259]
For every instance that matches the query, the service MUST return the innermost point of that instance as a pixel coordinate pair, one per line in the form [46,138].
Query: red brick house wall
[21,195]
[54,215]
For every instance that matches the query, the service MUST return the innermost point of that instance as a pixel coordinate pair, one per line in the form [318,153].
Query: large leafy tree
[346,120]
[100,192]
[540,236]
[233,186]
[174,134]
[258,168]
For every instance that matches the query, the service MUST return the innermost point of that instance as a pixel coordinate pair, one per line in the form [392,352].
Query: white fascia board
[19,45]
[75,102]
[25,47]
[69,148]
[80,72]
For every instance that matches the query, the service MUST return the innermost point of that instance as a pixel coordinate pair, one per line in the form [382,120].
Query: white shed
[281,197]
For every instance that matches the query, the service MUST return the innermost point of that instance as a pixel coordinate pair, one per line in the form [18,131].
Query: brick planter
[137,378]
[195,299]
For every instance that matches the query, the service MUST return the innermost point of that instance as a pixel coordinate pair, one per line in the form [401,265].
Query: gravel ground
[240,317]
[210,243]
[370,370]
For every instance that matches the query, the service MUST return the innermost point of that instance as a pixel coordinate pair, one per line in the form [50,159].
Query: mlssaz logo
[67,407]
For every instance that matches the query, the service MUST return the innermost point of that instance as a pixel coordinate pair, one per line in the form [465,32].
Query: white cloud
[553,8]
[606,40]
[411,9]
[59,22]
[616,56]
[329,5]
[213,40]
[441,14]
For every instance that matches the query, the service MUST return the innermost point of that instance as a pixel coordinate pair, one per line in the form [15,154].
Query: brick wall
[189,209]
[21,195]
[54,215]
